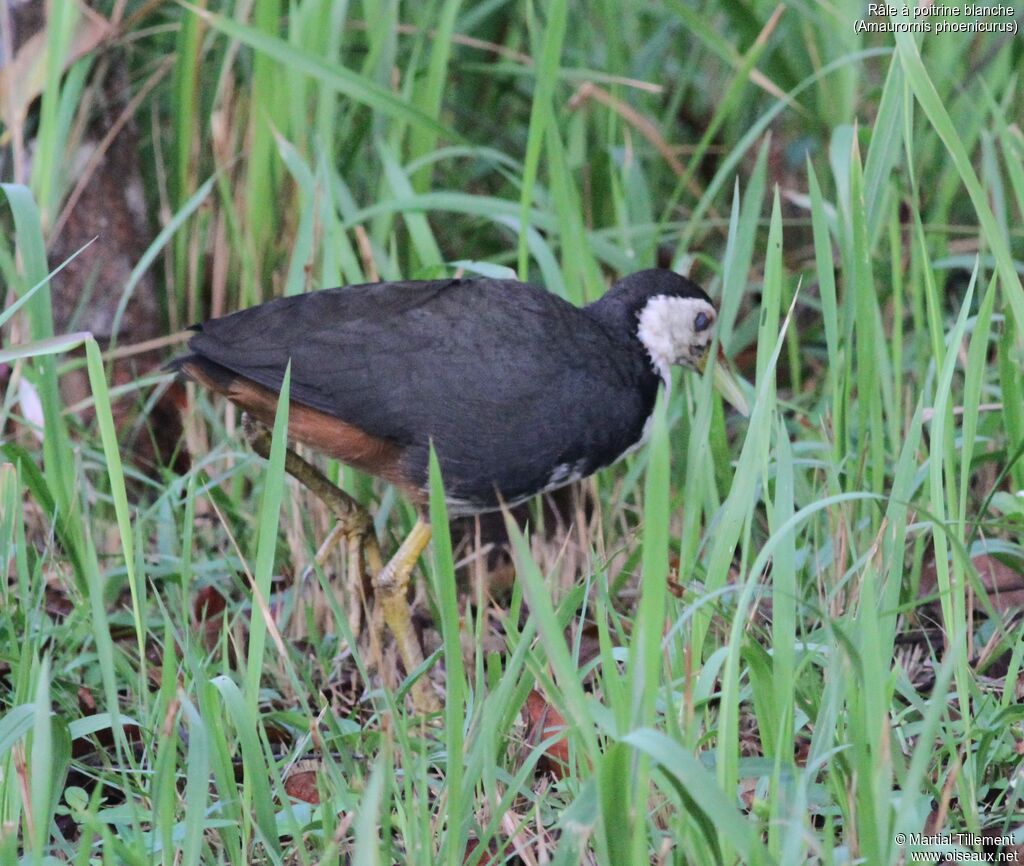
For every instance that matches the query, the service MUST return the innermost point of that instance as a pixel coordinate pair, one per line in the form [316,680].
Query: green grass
[852,201]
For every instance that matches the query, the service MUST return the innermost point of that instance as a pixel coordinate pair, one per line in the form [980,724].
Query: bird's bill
[727,383]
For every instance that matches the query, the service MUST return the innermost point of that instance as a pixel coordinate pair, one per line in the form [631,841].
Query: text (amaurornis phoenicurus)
[519,391]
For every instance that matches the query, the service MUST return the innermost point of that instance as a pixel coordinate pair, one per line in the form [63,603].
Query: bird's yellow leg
[356,525]
[390,586]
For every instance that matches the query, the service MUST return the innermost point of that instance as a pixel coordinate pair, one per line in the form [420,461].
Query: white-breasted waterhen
[519,391]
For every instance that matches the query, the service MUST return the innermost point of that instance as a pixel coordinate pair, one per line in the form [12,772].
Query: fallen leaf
[1003,584]
[208,611]
[25,76]
[301,785]
[543,722]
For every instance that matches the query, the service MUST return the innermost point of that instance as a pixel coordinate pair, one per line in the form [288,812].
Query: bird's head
[677,329]
[675,322]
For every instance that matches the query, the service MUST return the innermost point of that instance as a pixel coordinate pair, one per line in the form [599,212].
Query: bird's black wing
[342,344]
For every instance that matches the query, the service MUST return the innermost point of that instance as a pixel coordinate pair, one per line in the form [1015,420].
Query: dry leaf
[543,722]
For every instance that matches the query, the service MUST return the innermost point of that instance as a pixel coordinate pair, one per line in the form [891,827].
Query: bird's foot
[390,587]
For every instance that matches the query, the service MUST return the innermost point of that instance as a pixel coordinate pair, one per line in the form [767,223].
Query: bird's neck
[618,313]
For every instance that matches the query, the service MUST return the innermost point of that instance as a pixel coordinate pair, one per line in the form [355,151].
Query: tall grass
[852,202]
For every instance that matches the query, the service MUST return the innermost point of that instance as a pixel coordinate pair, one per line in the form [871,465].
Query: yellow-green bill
[728,384]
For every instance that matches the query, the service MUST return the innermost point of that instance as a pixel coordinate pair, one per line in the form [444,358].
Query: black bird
[519,391]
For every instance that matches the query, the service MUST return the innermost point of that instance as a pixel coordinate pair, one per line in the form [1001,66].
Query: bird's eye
[702,322]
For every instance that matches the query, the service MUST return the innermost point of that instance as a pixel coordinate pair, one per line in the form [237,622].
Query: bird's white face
[676,331]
